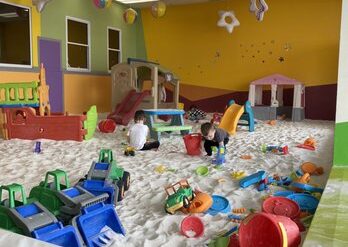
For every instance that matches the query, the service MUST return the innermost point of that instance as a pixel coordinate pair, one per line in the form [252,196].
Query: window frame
[112,49]
[68,68]
[12,65]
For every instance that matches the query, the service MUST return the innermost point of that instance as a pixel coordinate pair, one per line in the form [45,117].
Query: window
[114,55]
[77,44]
[15,35]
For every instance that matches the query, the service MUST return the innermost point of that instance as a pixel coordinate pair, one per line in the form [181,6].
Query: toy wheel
[116,195]
[186,202]
[165,209]
[126,153]
[126,180]
[132,153]
[120,190]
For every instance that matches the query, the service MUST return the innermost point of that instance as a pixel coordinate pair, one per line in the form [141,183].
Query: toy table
[176,124]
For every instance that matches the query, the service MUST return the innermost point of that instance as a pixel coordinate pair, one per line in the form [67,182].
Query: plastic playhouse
[278,83]
[26,114]
[145,85]
[105,176]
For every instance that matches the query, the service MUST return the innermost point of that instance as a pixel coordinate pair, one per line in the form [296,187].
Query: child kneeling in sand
[214,137]
[138,133]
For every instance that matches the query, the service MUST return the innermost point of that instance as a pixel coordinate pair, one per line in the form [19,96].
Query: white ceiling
[168,2]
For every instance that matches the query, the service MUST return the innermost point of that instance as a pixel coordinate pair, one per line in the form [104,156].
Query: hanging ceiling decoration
[229,25]
[40,4]
[258,7]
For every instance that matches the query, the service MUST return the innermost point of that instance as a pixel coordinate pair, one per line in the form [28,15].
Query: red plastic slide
[124,111]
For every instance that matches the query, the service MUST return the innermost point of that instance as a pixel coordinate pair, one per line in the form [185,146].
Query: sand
[142,211]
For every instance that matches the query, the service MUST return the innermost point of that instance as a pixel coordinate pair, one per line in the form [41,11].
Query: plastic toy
[246,157]
[193,143]
[307,203]
[272,122]
[233,114]
[236,218]
[252,179]
[220,205]
[106,169]
[124,112]
[37,147]
[107,126]
[278,83]
[29,117]
[265,230]
[129,151]
[220,156]
[309,144]
[192,227]
[238,174]
[202,171]
[131,79]
[176,124]
[281,150]
[283,193]
[32,219]
[274,180]
[199,204]
[162,169]
[179,195]
[281,206]
[239,210]
[312,169]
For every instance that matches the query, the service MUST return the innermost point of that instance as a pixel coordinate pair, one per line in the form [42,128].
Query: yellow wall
[188,41]
[83,90]
[35,24]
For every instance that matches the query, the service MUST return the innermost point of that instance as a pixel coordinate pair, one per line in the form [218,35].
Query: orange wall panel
[83,90]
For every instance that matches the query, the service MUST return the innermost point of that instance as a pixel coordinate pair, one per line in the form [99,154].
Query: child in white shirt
[138,133]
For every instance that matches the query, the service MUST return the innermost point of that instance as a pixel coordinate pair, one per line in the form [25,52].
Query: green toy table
[176,124]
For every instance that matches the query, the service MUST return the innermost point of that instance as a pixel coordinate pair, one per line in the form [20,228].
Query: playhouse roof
[276,79]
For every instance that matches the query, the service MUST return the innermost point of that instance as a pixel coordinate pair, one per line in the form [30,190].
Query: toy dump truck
[33,219]
[105,175]
[95,220]
[180,195]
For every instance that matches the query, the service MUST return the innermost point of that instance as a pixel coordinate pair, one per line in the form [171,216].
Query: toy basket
[193,143]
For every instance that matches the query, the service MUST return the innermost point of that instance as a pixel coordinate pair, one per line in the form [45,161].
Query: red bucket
[268,230]
[193,143]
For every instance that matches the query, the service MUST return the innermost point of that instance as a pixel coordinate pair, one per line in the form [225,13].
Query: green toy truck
[32,219]
[106,169]
[59,198]
[180,195]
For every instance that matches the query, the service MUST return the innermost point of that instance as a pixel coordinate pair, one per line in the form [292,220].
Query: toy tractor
[180,195]
[95,220]
[106,173]
[33,219]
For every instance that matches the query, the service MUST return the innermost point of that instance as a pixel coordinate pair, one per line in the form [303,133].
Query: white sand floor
[142,210]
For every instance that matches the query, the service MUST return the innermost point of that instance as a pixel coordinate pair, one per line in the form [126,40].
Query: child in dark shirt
[213,137]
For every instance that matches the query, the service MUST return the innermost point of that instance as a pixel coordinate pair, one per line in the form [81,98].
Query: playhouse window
[15,35]
[114,54]
[78,44]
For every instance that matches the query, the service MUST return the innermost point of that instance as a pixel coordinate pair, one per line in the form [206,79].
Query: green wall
[53,26]
[341,144]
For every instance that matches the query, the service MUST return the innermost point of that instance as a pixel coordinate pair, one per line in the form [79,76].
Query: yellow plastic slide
[231,117]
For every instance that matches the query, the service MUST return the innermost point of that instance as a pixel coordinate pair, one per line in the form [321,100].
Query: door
[50,56]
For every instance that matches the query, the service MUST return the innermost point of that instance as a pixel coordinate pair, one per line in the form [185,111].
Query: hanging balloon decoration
[226,23]
[102,3]
[158,9]
[258,7]
[40,4]
[129,16]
